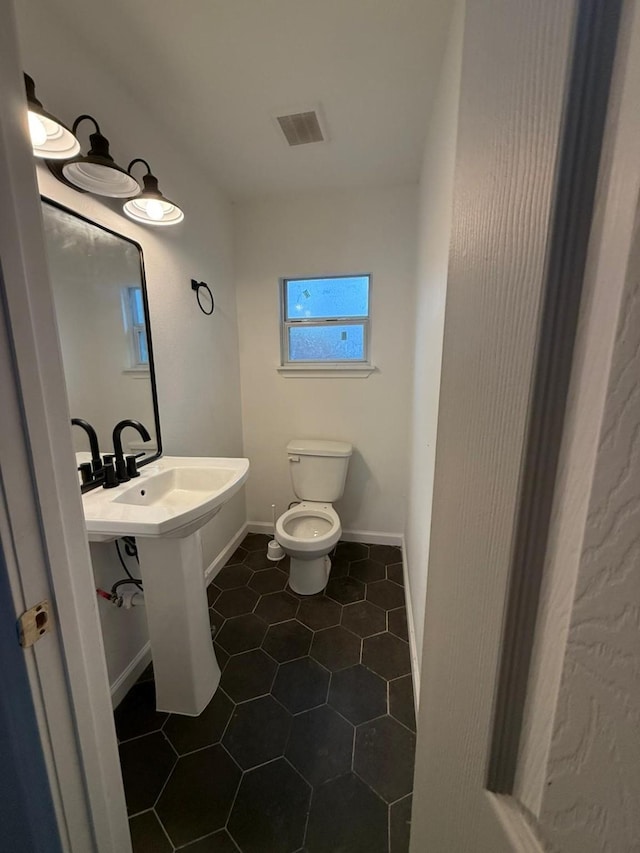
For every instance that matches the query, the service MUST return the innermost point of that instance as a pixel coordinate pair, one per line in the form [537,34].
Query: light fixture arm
[30,86]
[149,180]
[139,160]
[82,118]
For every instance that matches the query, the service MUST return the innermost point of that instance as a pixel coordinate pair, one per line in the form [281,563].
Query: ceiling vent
[301,128]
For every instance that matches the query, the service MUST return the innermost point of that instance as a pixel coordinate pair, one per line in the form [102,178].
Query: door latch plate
[34,624]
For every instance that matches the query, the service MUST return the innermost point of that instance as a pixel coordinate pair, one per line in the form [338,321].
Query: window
[325,321]
[134,325]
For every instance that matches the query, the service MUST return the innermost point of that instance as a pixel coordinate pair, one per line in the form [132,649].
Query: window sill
[136,372]
[314,371]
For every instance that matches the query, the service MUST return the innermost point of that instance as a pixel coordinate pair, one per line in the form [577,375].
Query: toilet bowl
[310,530]
[308,533]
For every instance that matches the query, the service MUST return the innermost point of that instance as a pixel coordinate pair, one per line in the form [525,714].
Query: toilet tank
[318,468]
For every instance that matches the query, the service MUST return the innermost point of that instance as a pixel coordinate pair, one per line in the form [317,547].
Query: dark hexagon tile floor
[308,743]
[136,714]
[387,655]
[321,745]
[363,618]
[186,734]
[218,842]
[248,675]
[270,580]
[277,607]
[367,571]
[287,640]
[397,623]
[147,835]
[257,732]
[319,612]
[301,685]
[335,648]
[383,757]
[233,576]
[385,594]
[198,795]
[347,815]
[146,763]
[345,590]
[235,602]
[270,811]
[242,633]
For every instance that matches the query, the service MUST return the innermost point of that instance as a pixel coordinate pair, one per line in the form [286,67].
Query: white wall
[322,234]
[196,356]
[434,232]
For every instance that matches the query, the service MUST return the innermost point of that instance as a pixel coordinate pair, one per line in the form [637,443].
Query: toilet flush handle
[294,459]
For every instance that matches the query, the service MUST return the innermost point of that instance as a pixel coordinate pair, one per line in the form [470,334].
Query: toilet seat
[309,527]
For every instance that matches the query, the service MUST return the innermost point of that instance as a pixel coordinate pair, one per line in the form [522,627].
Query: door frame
[41,519]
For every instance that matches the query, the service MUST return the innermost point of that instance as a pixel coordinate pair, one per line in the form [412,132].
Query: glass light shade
[106,179]
[151,207]
[97,172]
[153,211]
[49,137]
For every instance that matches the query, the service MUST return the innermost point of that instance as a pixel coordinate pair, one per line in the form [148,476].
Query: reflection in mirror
[99,294]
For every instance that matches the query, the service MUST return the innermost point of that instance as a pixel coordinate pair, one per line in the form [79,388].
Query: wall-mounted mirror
[100,300]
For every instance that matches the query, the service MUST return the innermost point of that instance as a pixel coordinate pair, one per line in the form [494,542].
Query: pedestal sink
[164,509]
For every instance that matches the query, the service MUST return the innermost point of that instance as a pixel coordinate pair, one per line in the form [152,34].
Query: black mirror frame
[147,323]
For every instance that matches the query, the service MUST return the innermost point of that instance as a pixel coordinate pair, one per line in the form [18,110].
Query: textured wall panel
[593,775]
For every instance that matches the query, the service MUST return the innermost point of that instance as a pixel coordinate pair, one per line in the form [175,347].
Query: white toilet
[309,531]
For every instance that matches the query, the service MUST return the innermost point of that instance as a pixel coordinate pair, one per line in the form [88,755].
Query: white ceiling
[218,70]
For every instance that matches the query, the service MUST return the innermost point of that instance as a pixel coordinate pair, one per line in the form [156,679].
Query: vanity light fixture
[97,172]
[150,206]
[50,138]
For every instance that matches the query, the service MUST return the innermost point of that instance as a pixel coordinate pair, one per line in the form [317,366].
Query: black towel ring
[197,286]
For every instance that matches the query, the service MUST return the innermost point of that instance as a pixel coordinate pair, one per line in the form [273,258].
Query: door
[527,728]
[28,818]
[42,536]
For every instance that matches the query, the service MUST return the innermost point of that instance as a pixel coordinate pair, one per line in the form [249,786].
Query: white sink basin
[164,508]
[172,497]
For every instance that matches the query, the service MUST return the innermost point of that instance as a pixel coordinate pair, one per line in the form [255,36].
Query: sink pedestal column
[185,666]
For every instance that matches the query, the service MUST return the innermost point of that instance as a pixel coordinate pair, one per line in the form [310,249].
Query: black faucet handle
[96,478]
[86,473]
[121,469]
[110,476]
[132,465]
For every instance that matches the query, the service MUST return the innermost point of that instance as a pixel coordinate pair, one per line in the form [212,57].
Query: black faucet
[96,460]
[121,466]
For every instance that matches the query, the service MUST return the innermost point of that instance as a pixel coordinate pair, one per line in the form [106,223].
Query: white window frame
[352,367]
[133,330]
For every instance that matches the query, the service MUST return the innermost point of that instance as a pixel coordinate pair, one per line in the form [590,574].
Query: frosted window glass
[326,343]
[135,327]
[318,298]
[137,307]
[143,349]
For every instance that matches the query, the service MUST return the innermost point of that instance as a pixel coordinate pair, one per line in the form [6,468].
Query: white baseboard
[260,527]
[413,648]
[369,537]
[212,570]
[128,677]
